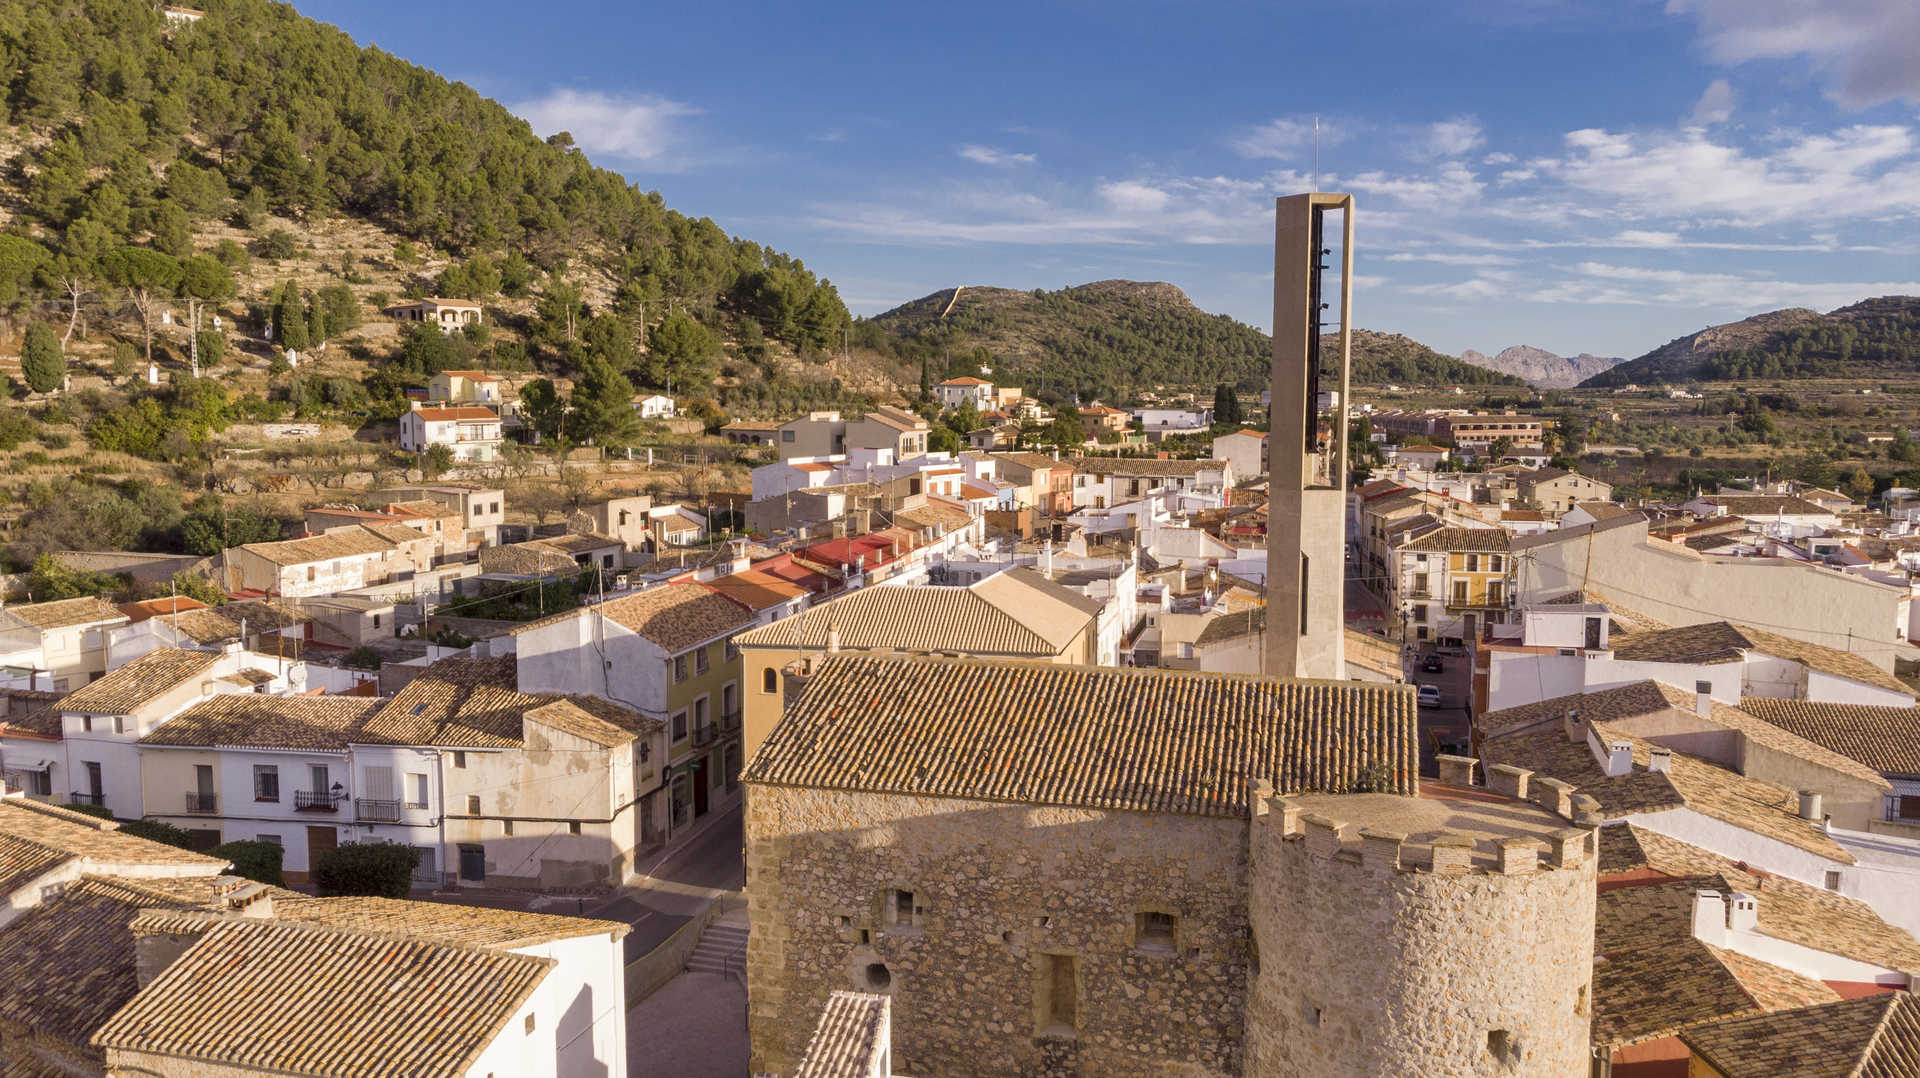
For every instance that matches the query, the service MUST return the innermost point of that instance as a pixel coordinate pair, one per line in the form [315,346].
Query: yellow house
[464,387]
[1017,614]
[1450,581]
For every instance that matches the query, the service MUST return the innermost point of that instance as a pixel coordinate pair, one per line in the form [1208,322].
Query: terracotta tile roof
[366,1004]
[676,616]
[121,691]
[569,717]
[70,961]
[1651,977]
[930,516]
[473,703]
[1886,739]
[536,557]
[458,413]
[1233,626]
[62,613]
[471,376]
[1142,740]
[1017,613]
[32,712]
[848,1040]
[1453,538]
[1692,783]
[1374,653]
[423,509]
[1789,910]
[966,380]
[345,543]
[282,722]
[1872,1037]
[1725,641]
[440,922]
[1603,510]
[756,590]
[23,860]
[1032,461]
[75,834]
[1639,698]
[171,604]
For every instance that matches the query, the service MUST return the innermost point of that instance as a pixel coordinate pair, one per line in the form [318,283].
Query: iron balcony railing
[202,804]
[730,720]
[703,734]
[317,801]
[88,799]
[376,810]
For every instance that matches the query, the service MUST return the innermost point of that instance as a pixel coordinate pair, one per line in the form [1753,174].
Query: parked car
[1433,664]
[1429,696]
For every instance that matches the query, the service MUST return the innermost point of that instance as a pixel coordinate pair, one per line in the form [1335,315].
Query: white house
[340,560]
[955,392]
[1161,419]
[1246,450]
[448,314]
[654,406]
[470,430]
[98,759]
[1104,482]
[58,645]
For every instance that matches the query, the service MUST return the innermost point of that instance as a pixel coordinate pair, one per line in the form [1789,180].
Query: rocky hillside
[1108,339]
[1539,367]
[1875,337]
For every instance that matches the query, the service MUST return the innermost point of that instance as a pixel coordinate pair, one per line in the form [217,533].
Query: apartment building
[1557,491]
[1475,434]
[1106,482]
[1449,582]
[1042,482]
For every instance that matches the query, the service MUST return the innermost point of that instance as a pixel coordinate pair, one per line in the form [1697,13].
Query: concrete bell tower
[1307,471]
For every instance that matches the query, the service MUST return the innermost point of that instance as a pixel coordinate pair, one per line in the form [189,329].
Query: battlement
[1448,830]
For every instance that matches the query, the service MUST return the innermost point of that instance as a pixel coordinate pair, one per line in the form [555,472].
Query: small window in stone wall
[1502,1046]
[1155,931]
[878,977]
[900,910]
[1056,994]
[1582,1001]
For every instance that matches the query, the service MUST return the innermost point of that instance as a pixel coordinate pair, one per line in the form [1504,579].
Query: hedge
[378,869]
[259,861]
[158,831]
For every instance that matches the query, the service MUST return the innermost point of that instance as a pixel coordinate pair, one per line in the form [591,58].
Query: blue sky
[1577,176]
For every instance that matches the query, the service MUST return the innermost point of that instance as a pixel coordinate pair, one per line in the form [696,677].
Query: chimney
[1810,805]
[1619,759]
[1660,758]
[1743,912]
[1703,699]
[1570,725]
[1710,917]
[833,638]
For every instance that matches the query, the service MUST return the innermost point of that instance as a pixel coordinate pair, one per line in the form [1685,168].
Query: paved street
[1449,721]
[673,888]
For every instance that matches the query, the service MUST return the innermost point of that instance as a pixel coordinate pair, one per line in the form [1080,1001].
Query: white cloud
[1498,158]
[1857,172]
[1867,50]
[1607,283]
[1715,105]
[1285,138]
[1451,138]
[1133,196]
[1447,258]
[638,129]
[988,155]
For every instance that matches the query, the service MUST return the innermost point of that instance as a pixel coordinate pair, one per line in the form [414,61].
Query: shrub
[362,658]
[378,869]
[257,861]
[54,439]
[279,244]
[101,811]
[158,831]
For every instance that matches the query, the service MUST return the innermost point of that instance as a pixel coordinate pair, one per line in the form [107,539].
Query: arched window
[770,680]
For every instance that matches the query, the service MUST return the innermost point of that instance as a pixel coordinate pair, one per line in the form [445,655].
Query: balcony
[202,804]
[703,735]
[1420,593]
[89,799]
[376,811]
[317,801]
[730,720]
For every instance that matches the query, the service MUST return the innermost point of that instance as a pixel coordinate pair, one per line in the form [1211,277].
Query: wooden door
[320,841]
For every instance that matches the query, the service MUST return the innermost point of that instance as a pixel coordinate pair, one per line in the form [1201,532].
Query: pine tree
[41,361]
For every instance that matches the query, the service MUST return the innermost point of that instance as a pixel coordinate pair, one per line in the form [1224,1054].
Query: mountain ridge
[1875,335]
[1541,368]
[1107,338]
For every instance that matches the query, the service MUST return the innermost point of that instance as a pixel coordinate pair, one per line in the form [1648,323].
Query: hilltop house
[472,431]
[448,314]
[956,392]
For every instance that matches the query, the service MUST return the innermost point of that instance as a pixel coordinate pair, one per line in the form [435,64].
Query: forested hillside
[1873,338]
[1109,338]
[134,142]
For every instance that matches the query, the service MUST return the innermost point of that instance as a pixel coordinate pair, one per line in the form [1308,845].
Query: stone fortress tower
[1444,935]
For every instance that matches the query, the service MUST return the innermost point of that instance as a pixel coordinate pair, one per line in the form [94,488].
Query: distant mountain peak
[1539,367]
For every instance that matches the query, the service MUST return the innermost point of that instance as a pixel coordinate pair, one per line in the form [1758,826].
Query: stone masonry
[1000,894]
